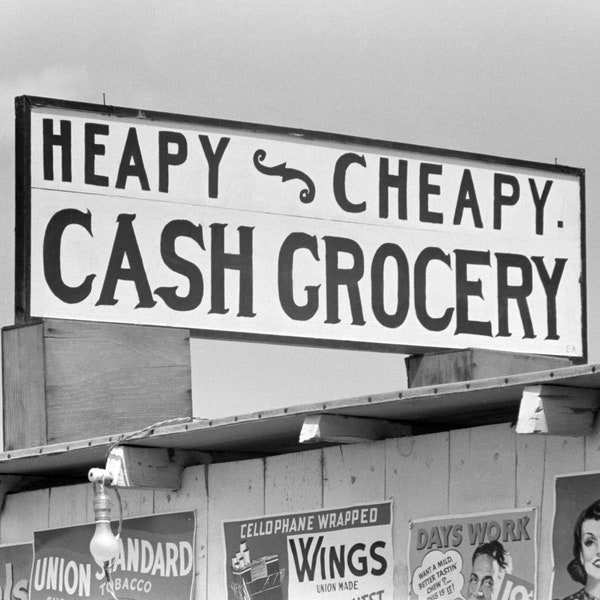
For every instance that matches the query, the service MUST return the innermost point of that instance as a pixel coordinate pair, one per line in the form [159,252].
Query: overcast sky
[510,78]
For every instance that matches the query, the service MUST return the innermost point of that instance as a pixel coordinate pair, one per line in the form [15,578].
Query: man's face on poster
[481,581]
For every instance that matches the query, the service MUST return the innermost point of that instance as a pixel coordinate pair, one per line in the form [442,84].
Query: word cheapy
[405,191]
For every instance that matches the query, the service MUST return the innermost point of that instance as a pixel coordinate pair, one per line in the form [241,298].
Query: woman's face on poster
[590,548]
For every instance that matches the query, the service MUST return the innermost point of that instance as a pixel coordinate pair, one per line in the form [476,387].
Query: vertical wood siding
[469,470]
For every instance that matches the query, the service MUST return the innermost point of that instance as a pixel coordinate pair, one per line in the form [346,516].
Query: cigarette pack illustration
[258,579]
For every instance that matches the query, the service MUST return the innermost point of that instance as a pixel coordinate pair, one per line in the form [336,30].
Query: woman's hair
[575,567]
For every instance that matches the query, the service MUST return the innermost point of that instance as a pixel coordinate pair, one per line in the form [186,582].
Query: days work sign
[257,232]
[485,555]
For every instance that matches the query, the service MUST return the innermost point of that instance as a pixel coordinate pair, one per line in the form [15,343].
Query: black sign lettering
[172,231]
[467,198]
[550,283]
[125,246]
[348,277]
[502,198]
[395,253]
[519,292]
[339,182]
[166,158]
[465,288]
[285,278]
[52,253]
[540,203]
[242,262]
[420,283]
[387,181]
[213,157]
[93,149]
[426,189]
[63,141]
[132,164]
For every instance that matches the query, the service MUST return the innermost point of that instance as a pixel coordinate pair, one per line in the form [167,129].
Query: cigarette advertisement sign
[332,554]
[15,568]
[576,536]
[156,561]
[258,232]
[489,556]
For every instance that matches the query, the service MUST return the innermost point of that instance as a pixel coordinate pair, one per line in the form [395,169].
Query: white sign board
[256,232]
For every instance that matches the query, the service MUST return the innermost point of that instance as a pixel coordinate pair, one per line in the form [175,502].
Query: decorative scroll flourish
[306,195]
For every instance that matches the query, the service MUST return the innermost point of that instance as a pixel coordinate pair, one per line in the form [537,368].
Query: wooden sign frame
[406,316]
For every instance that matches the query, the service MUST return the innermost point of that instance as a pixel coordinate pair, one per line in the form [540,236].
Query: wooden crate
[72,380]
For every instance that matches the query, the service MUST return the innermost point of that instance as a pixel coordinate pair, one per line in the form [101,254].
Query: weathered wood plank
[349,430]
[471,470]
[353,474]
[294,482]
[23,514]
[557,410]
[417,478]
[75,380]
[122,377]
[69,505]
[10,484]
[143,468]
[192,495]
[23,382]
[592,449]
[531,453]
[482,469]
[474,363]
[563,455]
[236,490]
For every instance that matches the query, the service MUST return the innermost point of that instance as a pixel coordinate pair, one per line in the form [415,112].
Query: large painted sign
[257,232]
[156,560]
[490,556]
[332,554]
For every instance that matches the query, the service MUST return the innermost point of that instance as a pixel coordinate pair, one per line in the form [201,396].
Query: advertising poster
[576,536]
[15,568]
[331,554]
[156,561]
[492,556]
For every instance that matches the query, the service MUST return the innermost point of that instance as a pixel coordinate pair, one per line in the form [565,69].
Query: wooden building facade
[463,467]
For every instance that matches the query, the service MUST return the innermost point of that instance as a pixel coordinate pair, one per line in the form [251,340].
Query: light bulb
[104,546]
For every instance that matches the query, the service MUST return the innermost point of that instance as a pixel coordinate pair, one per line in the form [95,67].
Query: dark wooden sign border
[24,105]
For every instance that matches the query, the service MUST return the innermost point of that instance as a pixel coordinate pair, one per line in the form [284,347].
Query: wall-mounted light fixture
[133,468]
[104,545]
